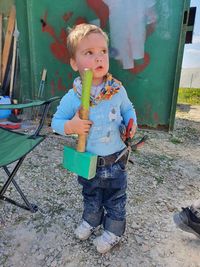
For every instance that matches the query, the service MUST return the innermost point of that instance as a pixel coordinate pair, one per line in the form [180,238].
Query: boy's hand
[132,132]
[77,125]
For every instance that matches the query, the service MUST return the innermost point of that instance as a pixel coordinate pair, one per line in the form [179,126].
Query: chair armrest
[34,103]
[46,104]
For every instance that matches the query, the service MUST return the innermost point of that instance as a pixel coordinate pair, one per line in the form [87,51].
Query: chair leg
[28,206]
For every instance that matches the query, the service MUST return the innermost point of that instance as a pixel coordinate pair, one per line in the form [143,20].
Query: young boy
[104,195]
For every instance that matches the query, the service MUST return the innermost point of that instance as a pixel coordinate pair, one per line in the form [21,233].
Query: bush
[189,96]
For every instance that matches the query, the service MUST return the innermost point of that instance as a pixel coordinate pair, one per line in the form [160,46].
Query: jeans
[104,198]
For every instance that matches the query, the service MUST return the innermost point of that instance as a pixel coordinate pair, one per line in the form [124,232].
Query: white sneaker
[106,241]
[84,230]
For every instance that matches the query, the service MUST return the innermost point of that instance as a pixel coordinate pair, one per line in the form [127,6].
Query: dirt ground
[165,176]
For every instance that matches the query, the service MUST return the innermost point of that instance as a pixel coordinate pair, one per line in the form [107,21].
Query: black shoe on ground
[183,220]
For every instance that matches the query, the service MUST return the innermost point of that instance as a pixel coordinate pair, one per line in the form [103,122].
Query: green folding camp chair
[14,147]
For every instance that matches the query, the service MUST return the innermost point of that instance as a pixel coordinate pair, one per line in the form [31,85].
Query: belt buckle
[99,161]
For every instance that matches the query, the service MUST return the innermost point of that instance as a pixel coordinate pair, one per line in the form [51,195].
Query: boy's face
[92,53]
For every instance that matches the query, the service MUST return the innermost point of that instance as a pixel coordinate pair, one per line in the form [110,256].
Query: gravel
[164,177]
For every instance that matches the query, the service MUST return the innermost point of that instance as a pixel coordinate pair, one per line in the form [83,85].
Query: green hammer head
[81,163]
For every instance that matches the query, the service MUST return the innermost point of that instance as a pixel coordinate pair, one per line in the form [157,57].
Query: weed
[175,140]
[159,179]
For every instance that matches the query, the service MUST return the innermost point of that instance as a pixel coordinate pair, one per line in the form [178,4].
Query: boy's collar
[110,87]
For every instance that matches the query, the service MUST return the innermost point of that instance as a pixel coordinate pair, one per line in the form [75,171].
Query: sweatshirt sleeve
[127,109]
[66,110]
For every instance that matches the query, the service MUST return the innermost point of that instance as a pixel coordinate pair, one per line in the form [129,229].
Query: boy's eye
[88,53]
[104,51]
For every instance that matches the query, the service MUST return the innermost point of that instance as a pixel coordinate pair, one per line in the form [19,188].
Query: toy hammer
[78,161]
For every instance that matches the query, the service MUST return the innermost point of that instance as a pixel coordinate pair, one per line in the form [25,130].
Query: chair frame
[11,174]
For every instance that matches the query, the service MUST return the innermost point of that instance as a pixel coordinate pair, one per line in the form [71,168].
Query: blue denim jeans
[104,198]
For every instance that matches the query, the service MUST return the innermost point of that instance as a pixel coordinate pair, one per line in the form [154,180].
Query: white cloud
[191,58]
[192,51]
[196,39]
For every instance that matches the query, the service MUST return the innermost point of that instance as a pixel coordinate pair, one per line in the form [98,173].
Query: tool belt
[103,161]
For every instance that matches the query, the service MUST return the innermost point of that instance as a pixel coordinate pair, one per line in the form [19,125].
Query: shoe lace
[110,238]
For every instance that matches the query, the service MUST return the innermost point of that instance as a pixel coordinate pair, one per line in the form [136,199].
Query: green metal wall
[151,85]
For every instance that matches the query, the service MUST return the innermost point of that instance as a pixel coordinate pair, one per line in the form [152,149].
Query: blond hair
[78,32]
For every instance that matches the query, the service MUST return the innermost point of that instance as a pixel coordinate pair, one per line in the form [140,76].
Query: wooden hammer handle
[85,105]
[82,138]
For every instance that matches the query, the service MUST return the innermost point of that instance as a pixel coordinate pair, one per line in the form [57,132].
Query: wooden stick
[40,93]
[8,41]
[85,105]
[13,59]
[42,82]
[82,138]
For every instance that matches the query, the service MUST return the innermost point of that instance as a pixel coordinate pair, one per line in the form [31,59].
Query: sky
[191,58]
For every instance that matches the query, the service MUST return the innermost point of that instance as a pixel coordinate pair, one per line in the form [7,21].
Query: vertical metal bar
[42,120]
[186,8]
[11,175]
[32,52]
[11,179]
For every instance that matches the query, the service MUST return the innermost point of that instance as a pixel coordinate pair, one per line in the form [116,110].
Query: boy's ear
[73,64]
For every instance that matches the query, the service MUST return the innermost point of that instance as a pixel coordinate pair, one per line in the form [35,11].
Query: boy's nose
[98,59]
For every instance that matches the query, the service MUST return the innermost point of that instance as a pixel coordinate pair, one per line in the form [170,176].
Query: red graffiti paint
[80,20]
[48,28]
[61,87]
[155,116]
[67,16]
[58,47]
[63,36]
[100,9]
[60,52]
[141,67]
[69,75]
